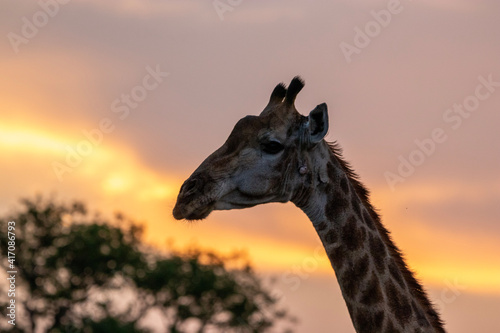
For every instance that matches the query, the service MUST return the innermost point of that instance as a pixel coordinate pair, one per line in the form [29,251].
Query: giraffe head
[265,159]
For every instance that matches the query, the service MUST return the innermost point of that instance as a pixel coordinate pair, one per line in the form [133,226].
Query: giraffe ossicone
[281,156]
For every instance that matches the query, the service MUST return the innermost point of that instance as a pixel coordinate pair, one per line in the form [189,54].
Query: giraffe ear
[318,123]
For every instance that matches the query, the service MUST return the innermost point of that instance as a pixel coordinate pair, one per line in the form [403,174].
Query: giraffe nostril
[190,186]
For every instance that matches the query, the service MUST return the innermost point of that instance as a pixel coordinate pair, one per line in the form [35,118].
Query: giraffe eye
[272,147]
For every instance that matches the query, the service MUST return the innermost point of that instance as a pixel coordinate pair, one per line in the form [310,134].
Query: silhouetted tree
[77,273]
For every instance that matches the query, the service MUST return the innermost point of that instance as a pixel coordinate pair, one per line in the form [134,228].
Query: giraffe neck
[380,291]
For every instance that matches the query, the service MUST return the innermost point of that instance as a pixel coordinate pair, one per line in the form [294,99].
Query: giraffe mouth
[226,205]
[184,212]
[239,200]
[196,203]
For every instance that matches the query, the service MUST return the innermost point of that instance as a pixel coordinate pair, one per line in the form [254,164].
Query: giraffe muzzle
[192,202]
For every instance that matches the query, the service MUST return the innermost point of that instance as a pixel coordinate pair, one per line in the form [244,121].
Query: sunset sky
[115,103]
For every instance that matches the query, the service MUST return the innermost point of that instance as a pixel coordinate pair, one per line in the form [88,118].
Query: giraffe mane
[409,276]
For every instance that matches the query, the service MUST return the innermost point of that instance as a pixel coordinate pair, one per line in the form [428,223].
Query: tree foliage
[82,273]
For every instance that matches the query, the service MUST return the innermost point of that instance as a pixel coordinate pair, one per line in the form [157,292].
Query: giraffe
[282,156]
